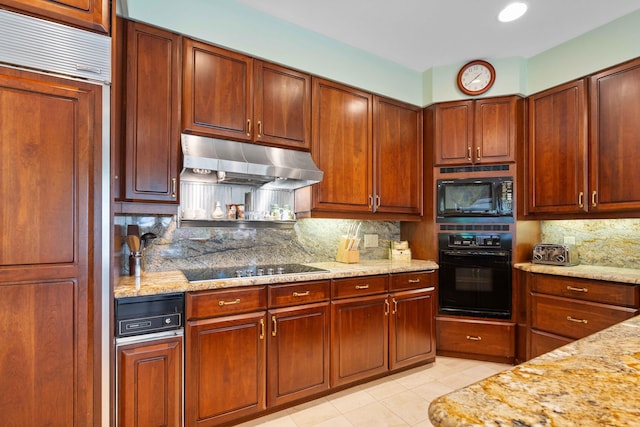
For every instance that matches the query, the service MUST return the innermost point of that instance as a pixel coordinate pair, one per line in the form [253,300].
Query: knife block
[347,256]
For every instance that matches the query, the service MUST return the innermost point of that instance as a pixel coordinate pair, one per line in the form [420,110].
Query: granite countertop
[151,283]
[594,381]
[596,272]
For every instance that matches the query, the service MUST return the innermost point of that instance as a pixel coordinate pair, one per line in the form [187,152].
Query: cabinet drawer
[359,286]
[587,290]
[476,337]
[204,304]
[414,280]
[574,319]
[543,342]
[299,293]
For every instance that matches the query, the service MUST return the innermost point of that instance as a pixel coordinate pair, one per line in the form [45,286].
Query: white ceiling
[421,34]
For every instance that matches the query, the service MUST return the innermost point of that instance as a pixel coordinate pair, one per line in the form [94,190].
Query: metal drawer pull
[580,199]
[301,294]
[414,280]
[477,153]
[261,329]
[474,338]
[468,153]
[223,303]
[571,288]
[395,306]
[248,127]
[275,326]
[386,307]
[593,199]
[571,319]
[362,286]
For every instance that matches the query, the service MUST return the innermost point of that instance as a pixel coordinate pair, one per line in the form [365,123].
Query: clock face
[476,77]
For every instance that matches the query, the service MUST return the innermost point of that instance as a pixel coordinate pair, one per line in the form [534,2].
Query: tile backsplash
[614,243]
[310,240]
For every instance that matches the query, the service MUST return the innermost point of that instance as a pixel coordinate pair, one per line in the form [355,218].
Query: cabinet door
[298,352]
[412,328]
[342,147]
[453,133]
[217,92]
[282,106]
[49,163]
[150,384]
[496,126]
[152,118]
[614,141]
[225,369]
[359,338]
[557,152]
[397,157]
[94,15]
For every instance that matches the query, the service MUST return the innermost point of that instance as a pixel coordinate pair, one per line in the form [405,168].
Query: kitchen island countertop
[151,283]
[594,381]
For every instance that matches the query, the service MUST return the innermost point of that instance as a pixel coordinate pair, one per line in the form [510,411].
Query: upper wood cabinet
[614,139]
[477,131]
[557,150]
[230,95]
[151,115]
[94,15]
[370,150]
[583,145]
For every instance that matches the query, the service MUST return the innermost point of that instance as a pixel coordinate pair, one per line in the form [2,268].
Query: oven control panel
[471,240]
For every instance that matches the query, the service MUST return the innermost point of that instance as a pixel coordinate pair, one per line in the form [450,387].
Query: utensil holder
[347,256]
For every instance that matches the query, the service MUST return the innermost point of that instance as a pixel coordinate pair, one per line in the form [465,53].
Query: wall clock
[476,77]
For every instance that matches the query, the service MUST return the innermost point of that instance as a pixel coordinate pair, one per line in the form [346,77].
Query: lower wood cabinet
[562,309]
[477,339]
[150,383]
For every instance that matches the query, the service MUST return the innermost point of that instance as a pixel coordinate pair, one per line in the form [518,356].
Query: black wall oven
[475,274]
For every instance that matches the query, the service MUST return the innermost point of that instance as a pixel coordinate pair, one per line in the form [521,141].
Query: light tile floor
[398,400]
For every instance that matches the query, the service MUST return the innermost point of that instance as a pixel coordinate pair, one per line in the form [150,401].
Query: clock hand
[474,79]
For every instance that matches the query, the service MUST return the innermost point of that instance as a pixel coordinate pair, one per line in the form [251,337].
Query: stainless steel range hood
[230,162]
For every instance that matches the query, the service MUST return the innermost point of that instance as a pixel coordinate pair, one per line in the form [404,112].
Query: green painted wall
[241,28]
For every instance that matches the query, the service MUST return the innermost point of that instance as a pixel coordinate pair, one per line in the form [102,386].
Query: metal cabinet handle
[377,200]
[571,319]
[261,329]
[414,280]
[259,128]
[395,306]
[571,288]
[301,294]
[474,338]
[248,127]
[580,199]
[386,307]
[370,202]
[593,199]
[469,153]
[275,326]
[174,187]
[477,153]
[223,303]
[362,287]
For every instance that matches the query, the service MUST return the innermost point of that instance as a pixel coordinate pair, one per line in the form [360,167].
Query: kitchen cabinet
[563,309]
[370,149]
[477,131]
[232,96]
[93,15]
[150,383]
[50,282]
[557,150]
[583,145]
[476,338]
[225,358]
[614,147]
[374,330]
[298,341]
[149,166]
[412,334]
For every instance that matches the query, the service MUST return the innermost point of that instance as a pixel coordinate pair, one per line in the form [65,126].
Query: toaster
[555,254]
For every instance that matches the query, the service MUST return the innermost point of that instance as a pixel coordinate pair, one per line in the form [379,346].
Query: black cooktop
[195,275]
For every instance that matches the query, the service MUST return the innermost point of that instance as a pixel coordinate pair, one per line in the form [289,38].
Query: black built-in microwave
[475,199]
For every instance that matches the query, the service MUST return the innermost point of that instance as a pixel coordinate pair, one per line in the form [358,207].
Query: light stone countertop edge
[596,272]
[152,283]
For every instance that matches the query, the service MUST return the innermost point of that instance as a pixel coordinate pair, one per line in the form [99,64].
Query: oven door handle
[478,253]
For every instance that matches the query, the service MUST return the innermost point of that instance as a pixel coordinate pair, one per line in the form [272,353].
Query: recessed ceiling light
[512,12]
